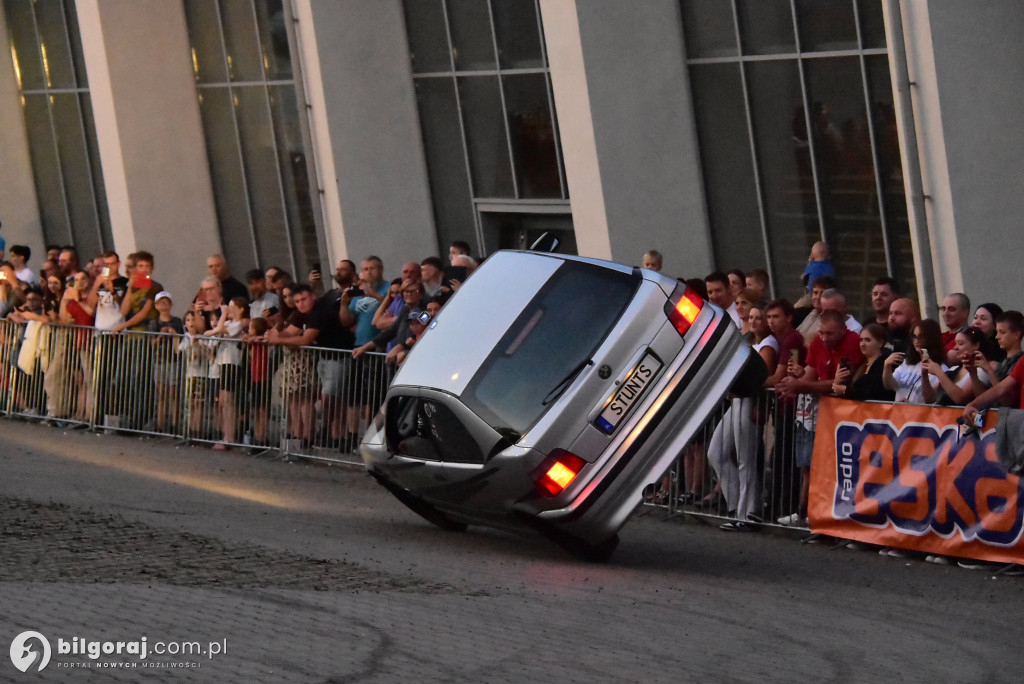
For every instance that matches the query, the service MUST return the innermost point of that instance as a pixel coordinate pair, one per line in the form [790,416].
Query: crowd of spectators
[812,347]
[815,347]
[226,339]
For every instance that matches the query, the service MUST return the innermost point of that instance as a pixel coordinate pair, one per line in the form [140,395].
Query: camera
[355,291]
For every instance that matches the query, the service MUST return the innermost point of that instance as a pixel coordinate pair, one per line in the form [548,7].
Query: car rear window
[548,344]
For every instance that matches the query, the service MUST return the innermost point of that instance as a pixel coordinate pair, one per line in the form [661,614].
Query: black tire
[751,379]
[421,507]
[593,553]
[580,548]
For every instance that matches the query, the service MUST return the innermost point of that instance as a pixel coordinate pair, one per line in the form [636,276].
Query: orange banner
[905,476]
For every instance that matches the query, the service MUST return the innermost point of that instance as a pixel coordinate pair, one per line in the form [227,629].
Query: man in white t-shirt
[108,291]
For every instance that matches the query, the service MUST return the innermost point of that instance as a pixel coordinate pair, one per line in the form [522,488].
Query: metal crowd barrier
[305,402]
[316,403]
[741,465]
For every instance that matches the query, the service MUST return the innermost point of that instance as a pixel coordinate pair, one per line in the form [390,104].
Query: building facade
[724,133]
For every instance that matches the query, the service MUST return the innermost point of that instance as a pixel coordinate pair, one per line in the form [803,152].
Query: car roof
[465,331]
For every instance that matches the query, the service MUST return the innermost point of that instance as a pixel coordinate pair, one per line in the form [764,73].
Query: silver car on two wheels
[549,391]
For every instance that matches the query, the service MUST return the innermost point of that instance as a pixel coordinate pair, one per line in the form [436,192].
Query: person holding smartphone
[866,385]
[905,373]
[139,303]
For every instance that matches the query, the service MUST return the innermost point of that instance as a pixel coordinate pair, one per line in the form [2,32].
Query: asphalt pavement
[272,571]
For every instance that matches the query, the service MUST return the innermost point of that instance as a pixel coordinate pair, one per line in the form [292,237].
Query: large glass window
[50,68]
[798,142]
[255,135]
[486,111]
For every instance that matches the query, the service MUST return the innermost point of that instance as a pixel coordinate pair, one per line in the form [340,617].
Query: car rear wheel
[592,553]
[584,550]
[421,507]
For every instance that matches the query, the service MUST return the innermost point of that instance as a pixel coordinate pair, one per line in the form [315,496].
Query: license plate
[631,390]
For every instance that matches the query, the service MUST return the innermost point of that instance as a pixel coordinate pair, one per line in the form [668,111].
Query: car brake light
[557,471]
[683,308]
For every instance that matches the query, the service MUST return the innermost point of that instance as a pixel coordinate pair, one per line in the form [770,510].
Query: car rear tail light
[557,471]
[683,308]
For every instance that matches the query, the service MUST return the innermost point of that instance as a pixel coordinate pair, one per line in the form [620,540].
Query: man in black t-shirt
[317,323]
[230,286]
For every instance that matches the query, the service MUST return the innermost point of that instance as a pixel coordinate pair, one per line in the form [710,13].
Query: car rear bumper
[655,439]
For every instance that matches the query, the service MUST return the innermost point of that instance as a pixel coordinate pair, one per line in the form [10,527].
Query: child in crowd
[231,325]
[259,371]
[818,265]
[165,360]
[197,350]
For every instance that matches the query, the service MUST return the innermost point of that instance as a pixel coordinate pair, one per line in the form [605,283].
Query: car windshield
[548,344]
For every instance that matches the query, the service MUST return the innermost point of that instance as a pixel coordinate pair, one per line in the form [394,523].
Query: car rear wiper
[565,382]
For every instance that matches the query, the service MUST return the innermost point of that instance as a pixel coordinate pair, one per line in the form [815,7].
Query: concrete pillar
[150,136]
[19,208]
[966,61]
[628,134]
[366,130]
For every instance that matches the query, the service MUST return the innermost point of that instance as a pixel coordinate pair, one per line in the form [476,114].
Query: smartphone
[3,276]
[106,271]
[456,273]
[924,355]
[424,317]
[844,363]
[142,281]
[316,267]
[794,356]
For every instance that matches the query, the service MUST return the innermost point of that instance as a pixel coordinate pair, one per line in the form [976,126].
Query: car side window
[427,429]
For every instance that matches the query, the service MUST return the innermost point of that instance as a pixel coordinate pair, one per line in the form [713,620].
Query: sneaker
[978,565]
[858,546]
[789,520]
[754,518]
[737,526]
[938,560]
[1012,570]
[896,553]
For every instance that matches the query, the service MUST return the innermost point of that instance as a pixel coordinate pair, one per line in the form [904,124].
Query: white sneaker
[789,520]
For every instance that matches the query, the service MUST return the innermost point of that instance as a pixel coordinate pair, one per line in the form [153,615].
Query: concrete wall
[373,134]
[19,209]
[643,131]
[979,71]
[150,136]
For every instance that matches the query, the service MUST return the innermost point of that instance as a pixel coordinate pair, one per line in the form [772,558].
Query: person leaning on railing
[905,373]
[963,383]
[867,383]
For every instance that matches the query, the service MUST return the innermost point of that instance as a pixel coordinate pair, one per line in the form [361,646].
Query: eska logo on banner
[901,475]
